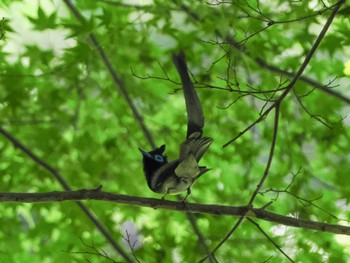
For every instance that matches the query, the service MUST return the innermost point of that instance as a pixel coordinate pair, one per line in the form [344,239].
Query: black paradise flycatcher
[179,175]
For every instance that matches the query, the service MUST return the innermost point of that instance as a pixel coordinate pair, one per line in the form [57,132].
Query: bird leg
[188,193]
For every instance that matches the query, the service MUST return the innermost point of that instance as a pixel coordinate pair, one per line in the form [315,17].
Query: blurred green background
[58,98]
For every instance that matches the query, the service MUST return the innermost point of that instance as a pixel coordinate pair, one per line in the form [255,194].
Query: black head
[153,160]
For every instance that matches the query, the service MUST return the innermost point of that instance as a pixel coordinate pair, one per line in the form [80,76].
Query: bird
[177,176]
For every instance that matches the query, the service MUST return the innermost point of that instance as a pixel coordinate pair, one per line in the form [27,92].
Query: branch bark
[96,194]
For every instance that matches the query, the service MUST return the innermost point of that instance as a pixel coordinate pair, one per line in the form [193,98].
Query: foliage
[58,98]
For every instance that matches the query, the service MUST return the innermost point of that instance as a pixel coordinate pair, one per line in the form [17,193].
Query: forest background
[83,84]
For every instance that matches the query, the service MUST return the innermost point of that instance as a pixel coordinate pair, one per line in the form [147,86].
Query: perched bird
[179,175]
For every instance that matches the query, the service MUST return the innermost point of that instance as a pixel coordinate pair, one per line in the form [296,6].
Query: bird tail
[195,117]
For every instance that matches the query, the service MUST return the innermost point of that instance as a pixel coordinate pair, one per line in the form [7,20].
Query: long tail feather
[195,115]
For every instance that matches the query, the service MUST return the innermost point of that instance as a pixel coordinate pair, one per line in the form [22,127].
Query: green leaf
[43,21]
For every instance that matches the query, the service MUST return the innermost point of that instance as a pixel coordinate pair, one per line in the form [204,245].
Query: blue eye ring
[159,158]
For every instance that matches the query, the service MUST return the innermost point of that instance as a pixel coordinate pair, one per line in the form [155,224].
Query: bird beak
[144,153]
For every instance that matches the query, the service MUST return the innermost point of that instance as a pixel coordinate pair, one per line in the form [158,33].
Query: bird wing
[195,146]
[162,174]
[200,146]
[188,168]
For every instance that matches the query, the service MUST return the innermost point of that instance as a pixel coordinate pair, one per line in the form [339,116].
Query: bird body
[179,175]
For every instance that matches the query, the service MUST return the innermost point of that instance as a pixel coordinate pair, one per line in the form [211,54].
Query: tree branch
[270,239]
[276,105]
[271,154]
[96,194]
[262,180]
[297,75]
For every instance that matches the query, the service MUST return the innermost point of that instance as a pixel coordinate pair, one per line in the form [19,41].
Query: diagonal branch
[266,173]
[270,239]
[305,79]
[198,232]
[269,160]
[17,144]
[276,105]
[115,76]
[234,228]
[297,75]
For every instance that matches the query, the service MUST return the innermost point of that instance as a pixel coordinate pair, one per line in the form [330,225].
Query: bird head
[154,159]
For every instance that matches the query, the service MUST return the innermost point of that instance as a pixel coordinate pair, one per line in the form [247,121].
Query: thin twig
[131,246]
[269,238]
[276,105]
[319,118]
[266,173]
[265,65]
[297,75]
[271,154]
[227,236]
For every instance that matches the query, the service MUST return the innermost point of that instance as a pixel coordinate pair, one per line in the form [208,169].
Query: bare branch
[265,65]
[270,239]
[303,201]
[131,246]
[266,172]
[319,118]
[269,161]
[227,236]
[298,74]
[247,211]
